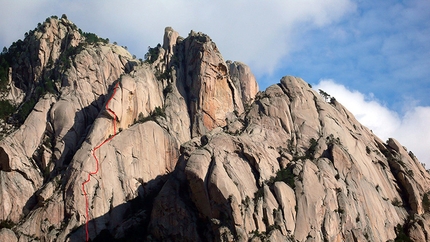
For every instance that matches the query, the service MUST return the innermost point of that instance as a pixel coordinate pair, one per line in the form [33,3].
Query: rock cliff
[184,147]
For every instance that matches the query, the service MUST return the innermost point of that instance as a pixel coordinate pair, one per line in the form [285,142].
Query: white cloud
[259,33]
[411,129]
[269,34]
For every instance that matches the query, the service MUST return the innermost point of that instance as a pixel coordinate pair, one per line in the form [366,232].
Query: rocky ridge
[200,154]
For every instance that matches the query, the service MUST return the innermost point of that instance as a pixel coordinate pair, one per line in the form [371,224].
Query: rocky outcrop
[183,147]
[8,235]
[41,49]
[54,129]
[337,190]
[243,80]
[21,176]
[210,92]
[14,94]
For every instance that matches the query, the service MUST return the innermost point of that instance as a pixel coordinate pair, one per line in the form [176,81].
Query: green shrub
[92,38]
[25,110]
[64,59]
[426,203]
[6,109]
[339,210]
[310,153]
[152,54]
[163,75]
[158,112]
[410,172]
[258,194]
[257,234]
[4,70]
[246,202]
[168,89]
[401,234]
[7,224]
[49,86]
[325,95]
[285,175]
[333,100]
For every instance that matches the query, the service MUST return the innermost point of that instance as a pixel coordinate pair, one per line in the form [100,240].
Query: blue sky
[373,56]
[383,47]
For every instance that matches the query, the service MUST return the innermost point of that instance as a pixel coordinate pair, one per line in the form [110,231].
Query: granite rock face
[328,178]
[184,147]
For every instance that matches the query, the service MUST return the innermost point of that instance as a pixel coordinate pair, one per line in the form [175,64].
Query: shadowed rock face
[199,154]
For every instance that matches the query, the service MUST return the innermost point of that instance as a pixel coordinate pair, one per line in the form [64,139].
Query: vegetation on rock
[207,162]
[152,54]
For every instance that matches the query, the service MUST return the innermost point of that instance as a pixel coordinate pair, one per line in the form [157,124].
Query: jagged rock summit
[183,146]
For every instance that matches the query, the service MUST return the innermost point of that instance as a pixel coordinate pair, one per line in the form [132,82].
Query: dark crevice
[251,161]
[324,231]
[232,89]
[395,168]
[4,161]
[209,173]
[23,174]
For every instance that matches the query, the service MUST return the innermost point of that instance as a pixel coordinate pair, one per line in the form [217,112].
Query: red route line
[93,152]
